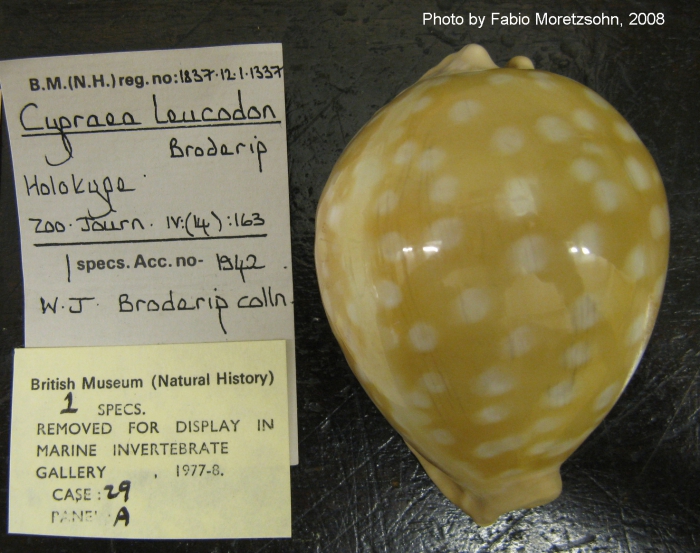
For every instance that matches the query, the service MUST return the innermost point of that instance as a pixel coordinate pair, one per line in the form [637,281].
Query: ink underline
[185,239]
[153,128]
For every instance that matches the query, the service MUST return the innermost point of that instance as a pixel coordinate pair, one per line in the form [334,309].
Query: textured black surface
[634,486]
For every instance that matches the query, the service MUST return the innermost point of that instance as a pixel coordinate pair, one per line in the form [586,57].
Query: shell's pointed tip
[485,500]
[473,57]
[475,50]
[520,62]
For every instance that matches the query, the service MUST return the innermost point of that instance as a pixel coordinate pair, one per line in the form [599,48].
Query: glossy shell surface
[491,251]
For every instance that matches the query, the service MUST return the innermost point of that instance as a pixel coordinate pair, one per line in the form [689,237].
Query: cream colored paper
[70,435]
[153,198]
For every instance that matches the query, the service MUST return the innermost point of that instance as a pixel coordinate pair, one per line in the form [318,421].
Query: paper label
[177,441]
[153,197]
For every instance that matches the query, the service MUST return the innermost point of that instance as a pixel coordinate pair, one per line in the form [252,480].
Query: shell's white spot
[391,245]
[433,82]
[351,342]
[520,196]
[542,79]
[636,263]
[552,448]
[423,337]
[500,78]
[493,414]
[389,338]
[518,342]
[419,399]
[495,381]
[444,189]
[553,128]
[588,236]
[462,469]
[487,450]
[434,383]
[540,448]
[464,110]
[626,132]
[409,417]
[405,152]
[607,195]
[369,171]
[577,355]
[443,436]
[404,107]
[592,148]
[636,330]
[596,99]
[560,394]
[473,304]
[584,119]
[584,313]
[431,159]
[335,215]
[529,254]
[637,173]
[421,104]
[508,140]
[394,133]
[659,287]
[445,234]
[351,310]
[547,424]
[388,294]
[387,202]
[658,221]
[584,170]
[605,397]
[566,445]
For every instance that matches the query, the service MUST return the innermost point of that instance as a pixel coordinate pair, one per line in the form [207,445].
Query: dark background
[634,485]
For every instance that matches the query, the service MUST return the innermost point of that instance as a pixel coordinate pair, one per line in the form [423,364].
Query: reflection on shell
[491,251]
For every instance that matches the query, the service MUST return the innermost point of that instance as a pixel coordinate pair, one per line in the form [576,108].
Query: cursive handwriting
[206,114]
[217,303]
[61,124]
[213,150]
[225,263]
[95,224]
[266,300]
[58,186]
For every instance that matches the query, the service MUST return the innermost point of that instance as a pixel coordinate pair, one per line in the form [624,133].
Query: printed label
[163,441]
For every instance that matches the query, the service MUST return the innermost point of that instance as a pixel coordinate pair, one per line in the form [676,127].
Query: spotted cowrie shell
[491,251]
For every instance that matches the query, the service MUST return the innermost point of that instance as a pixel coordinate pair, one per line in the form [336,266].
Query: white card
[153,198]
[175,441]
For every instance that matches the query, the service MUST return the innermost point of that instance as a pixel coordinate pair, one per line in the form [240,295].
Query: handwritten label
[153,198]
[177,441]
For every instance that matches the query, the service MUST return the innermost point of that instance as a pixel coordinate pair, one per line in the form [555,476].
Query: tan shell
[491,250]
